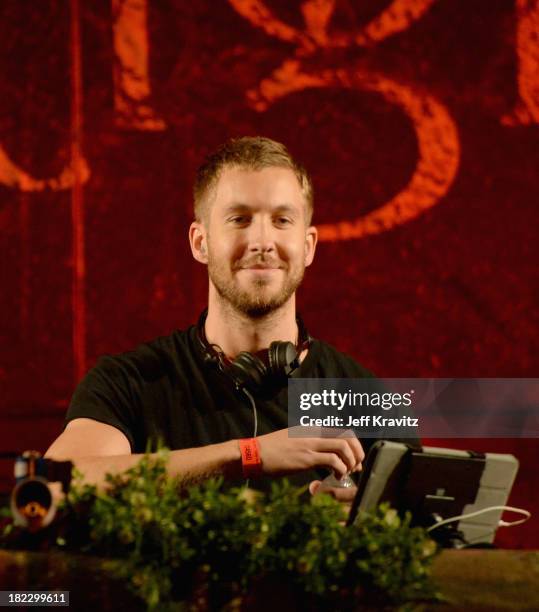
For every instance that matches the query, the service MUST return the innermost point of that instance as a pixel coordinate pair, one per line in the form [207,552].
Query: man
[253,206]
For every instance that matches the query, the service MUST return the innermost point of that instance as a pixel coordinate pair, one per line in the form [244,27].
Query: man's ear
[311,240]
[197,240]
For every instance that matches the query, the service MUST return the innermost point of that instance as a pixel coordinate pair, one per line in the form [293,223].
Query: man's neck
[235,332]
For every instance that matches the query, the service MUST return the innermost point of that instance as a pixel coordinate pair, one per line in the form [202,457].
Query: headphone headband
[248,370]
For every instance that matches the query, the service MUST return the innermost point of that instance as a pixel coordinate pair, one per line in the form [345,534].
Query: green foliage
[212,543]
[381,558]
[388,558]
[6,525]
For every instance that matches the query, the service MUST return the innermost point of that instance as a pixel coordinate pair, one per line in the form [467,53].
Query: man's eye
[239,220]
[283,221]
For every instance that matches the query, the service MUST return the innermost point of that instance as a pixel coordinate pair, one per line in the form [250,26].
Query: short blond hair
[253,153]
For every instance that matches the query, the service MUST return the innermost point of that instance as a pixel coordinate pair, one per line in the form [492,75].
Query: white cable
[501,523]
[253,406]
[527,515]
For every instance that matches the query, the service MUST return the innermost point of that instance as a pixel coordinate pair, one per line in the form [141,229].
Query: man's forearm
[189,465]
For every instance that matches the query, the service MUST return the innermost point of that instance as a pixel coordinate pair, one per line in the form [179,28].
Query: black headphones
[260,371]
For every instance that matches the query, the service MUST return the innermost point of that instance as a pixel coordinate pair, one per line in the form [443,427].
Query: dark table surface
[471,580]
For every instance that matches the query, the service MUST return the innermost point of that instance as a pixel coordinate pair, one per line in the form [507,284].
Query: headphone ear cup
[248,370]
[282,358]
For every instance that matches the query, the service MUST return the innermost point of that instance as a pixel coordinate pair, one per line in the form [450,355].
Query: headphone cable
[253,406]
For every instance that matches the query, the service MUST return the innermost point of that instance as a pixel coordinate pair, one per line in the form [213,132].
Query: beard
[259,299]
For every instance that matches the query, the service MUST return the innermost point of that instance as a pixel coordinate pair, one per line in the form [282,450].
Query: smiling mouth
[260,264]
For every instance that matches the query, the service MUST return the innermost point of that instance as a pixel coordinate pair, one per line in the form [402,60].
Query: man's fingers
[344,494]
[355,445]
[357,449]
[349,437]
[314,486]
[342,448]
[346,453]
[332,461]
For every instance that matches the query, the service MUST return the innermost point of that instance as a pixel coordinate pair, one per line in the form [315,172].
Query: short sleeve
[108,394]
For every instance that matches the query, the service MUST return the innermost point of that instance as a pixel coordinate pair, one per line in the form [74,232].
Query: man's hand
[345,495]
[282,453]
[342,494]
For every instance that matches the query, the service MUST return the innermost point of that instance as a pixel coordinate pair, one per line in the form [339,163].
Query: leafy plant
[215,544]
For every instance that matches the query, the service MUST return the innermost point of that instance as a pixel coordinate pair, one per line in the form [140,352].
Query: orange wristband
[250,457]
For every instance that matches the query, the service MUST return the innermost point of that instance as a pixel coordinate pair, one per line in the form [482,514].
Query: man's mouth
[260,265]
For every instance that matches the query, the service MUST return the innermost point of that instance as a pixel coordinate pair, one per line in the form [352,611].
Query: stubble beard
[255,302]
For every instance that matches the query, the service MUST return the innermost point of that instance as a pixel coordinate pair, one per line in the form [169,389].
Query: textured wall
[418,119]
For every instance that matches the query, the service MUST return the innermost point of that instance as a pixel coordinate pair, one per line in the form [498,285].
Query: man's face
[256,238]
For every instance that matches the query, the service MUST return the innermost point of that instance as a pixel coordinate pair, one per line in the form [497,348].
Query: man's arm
[97,449]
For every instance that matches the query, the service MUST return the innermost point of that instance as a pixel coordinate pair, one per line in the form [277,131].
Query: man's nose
[261,237]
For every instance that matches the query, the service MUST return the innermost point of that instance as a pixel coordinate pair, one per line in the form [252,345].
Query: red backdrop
[417,118]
